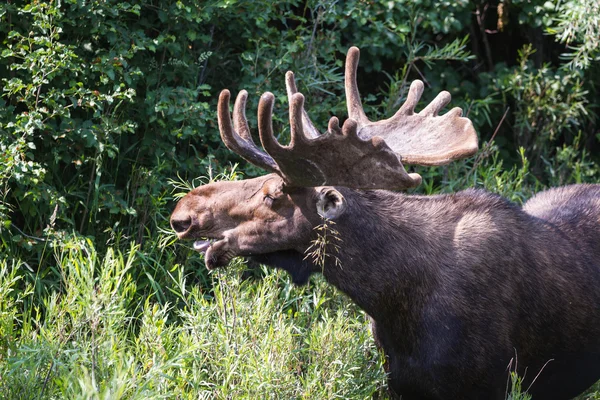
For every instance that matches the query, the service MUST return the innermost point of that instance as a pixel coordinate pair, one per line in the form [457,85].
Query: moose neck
[387,250]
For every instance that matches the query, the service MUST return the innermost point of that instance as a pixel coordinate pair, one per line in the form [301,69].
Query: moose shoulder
[461,288]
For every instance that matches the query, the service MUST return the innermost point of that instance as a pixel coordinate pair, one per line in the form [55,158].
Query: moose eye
[269,201]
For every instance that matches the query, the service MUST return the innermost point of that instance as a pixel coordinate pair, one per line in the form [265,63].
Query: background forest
[108,115]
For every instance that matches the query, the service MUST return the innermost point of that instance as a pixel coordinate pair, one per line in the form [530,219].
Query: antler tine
[354,104]
[412,98]
[290,86]
[334,126]
[240,122]
[265,126]
[350,132]
[296,123]
[440,101]
[243,144]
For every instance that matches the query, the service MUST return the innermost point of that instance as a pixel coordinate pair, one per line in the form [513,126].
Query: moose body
[462,288]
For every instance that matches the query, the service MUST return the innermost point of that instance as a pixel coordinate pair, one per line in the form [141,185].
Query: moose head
[277,212]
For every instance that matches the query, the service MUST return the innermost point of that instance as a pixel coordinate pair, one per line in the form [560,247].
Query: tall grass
[94,337]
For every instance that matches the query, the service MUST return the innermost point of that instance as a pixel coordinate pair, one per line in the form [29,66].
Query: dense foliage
[107,115]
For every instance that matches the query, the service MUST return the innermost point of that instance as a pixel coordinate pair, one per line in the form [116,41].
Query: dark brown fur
[461,288]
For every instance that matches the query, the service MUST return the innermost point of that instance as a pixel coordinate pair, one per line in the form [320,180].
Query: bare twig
[403,85]
[538,374]
[484,151]
[39,239]
[469,110]
[480,16]
[498,126]
[421,75]
[508,368]
[86,209]
[162,62]
[314,33]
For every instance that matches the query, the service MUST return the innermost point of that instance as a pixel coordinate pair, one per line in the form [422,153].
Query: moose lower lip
[201,245]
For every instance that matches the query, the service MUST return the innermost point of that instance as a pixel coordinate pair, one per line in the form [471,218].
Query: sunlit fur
[459,287]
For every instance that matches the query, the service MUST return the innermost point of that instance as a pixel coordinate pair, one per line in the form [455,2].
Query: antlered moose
[461,288]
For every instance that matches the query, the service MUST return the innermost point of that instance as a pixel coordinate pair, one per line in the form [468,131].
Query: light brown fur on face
[254,216]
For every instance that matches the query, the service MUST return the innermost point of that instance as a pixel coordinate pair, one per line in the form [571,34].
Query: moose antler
[304,162]
[361,154]
[424,138]
[237,137]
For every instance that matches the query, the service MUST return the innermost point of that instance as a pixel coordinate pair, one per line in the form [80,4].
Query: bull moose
[461,288]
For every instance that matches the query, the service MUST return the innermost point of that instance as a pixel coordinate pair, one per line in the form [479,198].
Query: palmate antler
[360,154]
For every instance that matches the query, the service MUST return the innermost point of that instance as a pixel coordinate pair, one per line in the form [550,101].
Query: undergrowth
[95,336]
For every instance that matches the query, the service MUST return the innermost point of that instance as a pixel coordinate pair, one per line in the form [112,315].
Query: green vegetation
[107,116]
[95,337]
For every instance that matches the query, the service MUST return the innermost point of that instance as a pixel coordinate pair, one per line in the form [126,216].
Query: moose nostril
[181,225]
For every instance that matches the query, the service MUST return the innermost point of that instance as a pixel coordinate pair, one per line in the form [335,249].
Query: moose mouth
[292,261]
[215,251]
[203,244]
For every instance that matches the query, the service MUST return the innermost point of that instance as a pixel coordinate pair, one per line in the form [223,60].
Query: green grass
[93,336]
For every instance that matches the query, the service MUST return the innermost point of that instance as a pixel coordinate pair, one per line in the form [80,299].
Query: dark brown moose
[462,288]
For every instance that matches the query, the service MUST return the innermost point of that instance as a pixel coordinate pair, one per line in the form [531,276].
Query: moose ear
[330,203]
